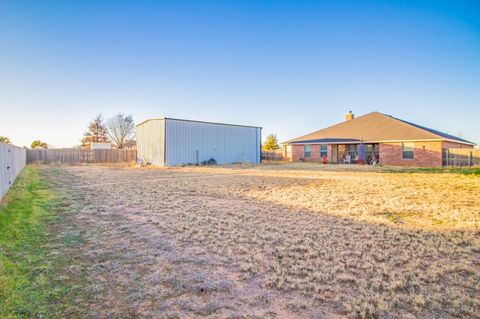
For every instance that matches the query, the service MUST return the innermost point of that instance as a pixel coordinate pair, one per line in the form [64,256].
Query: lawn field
[270,241]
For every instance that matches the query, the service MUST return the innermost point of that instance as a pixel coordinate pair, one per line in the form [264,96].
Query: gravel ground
[270,242]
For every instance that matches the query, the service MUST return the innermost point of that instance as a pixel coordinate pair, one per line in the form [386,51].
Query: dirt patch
[250,242]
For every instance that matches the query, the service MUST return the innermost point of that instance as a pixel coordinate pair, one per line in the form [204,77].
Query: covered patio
[336,151]
[354,153]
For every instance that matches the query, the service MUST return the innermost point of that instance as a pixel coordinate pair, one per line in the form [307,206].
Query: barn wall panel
[150,142]
[190,142]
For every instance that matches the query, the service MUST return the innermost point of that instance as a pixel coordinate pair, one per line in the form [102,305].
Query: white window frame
[408,147]
[323,152]
[309,151]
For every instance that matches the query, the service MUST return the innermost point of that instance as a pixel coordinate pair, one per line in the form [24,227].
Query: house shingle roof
[375,126]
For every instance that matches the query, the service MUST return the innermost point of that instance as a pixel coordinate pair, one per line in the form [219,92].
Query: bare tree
[96,132]
[121,130]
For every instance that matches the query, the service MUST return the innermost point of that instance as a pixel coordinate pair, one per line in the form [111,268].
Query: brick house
[374,137]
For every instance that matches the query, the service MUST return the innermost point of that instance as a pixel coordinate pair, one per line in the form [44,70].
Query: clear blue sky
[289,66]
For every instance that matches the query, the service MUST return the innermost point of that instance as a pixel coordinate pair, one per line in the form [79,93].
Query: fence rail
[12,161]
[72,156]
[461,157]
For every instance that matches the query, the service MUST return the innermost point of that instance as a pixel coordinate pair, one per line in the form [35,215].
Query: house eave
[376,142]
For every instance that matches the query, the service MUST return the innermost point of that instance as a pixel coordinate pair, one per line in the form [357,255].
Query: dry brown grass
[277,241]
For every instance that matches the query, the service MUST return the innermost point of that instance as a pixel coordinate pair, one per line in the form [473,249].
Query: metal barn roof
[195,121]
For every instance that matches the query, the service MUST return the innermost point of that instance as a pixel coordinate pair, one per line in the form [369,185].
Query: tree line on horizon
[118,130]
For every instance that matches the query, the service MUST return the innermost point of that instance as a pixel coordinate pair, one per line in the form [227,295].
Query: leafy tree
[121,130]
[5,140]
[271,143]
[38,143]
[96,133]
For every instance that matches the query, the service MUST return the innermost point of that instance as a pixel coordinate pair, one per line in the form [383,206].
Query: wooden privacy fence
[273,156]
[73,155]
[461,157]
[12,161]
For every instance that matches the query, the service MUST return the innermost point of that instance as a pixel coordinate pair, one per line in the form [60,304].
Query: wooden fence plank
[461,157]
[72,156]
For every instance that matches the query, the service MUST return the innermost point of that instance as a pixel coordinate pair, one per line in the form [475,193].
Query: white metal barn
[170,142]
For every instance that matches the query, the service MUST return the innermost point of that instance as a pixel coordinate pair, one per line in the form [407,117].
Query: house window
[323,150]
[407,150]
[307,151]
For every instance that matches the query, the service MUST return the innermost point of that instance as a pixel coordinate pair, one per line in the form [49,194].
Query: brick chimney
[349,116]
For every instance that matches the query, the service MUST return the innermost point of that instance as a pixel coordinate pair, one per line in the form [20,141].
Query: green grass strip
[26,288]
[475,171]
